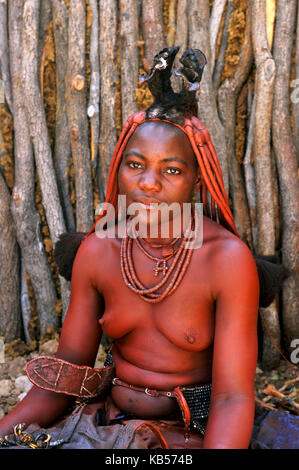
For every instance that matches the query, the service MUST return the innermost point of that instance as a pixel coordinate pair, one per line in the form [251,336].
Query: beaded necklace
[182,257]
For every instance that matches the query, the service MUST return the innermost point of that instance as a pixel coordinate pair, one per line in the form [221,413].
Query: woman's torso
[166,344]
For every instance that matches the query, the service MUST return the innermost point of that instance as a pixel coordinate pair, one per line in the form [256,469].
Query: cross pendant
[159,268]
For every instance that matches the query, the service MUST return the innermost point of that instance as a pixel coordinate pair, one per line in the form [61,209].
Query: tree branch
[181,39]
[62,146]
[265,76]
[4,59]
[109,76]
[128,56]
[217,73]
[199,34]
[228,95]
[295,94]
[250,175]
[215,21]
[94,88]
[152,28]
[77,117]
[10,318]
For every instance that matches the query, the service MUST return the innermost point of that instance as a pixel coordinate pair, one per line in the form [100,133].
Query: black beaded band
[109,360]
[198,400]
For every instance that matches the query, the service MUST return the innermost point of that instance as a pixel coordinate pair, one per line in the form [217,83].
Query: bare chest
[183,320]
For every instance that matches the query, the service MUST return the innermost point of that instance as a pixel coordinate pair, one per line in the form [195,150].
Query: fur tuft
[65,251]
[271,276]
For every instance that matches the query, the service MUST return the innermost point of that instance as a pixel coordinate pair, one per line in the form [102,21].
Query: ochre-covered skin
[206,331]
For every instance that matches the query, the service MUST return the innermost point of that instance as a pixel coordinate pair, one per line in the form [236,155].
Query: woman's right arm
[79,342]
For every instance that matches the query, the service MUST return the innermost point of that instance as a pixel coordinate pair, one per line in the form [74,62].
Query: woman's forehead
[161,132]
[161,127]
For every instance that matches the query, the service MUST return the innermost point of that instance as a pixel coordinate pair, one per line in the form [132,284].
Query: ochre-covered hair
[204,151]
[178,109]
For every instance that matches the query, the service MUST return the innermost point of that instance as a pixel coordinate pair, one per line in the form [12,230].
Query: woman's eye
[134,165]
[173,171]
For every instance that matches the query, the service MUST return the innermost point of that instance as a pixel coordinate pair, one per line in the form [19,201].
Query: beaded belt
[194,402]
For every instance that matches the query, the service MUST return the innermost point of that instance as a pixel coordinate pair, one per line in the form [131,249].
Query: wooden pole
[129,35]
[199,37]
[287,168]
[25,215]
[109,76]
[62,146]
[265,76]
[77,114]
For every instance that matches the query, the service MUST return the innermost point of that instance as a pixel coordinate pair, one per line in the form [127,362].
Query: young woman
[190,328]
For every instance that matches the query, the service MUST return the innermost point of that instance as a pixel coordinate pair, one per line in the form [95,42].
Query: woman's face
[158,165]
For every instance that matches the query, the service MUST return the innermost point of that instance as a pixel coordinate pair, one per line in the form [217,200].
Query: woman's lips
[148,205]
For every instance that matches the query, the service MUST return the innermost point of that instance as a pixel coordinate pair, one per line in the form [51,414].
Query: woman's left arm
[231,416]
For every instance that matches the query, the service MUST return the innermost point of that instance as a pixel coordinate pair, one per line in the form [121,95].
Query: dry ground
[14,383]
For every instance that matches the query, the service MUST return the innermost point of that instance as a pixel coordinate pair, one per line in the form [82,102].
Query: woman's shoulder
[94,244]
[92,252]
[225,246]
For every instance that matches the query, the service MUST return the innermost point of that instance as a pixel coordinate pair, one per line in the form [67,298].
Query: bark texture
[295,94]
[26,217]
[219,65]
[128,56]
[215,20]
[10,318]
[4,58]
[109,76]
[199,34]
[249,174]
[181,38]
[39,132]
[62,148]
[25,303]
[77,114]
[285,153]
[228,95]
[265,76]
[94,88]
[152,28]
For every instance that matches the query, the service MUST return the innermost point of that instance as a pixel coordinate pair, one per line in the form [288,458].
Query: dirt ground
[281,383]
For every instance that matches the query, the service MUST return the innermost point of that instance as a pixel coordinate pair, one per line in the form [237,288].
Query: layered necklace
[182,257]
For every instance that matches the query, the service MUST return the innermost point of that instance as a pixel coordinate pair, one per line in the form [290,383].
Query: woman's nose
[149,181]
